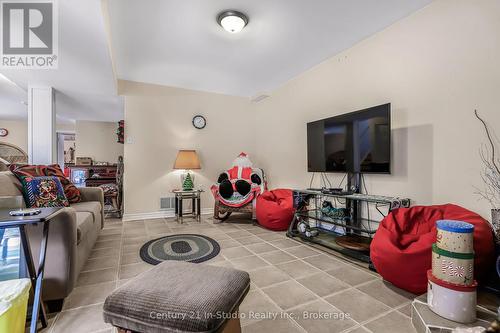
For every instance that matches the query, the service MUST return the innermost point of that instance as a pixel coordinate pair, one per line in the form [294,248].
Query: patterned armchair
[113,192]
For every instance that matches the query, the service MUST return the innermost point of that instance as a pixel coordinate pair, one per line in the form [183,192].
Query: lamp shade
[187,160]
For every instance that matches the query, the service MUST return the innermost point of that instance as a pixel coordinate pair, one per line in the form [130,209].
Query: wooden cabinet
[92,175]
[98,181]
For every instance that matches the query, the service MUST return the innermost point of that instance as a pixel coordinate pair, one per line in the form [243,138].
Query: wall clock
[3,132]
[199,122]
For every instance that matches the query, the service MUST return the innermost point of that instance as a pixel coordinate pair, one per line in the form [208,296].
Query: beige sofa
[72,235]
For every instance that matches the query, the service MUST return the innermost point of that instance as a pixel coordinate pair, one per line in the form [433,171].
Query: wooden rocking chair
[223,212]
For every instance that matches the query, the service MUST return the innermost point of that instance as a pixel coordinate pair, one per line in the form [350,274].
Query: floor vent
[167,203]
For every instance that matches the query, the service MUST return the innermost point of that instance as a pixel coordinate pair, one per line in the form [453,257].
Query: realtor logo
[29,34]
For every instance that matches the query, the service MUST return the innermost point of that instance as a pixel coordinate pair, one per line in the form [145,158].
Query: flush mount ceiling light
[232,21]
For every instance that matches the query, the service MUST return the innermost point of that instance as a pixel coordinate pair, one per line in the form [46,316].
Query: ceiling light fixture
[232,21]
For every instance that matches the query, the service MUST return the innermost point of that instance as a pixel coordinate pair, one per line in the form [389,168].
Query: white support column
[42,143]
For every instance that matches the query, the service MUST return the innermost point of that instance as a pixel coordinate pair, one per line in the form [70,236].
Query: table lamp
[187,160]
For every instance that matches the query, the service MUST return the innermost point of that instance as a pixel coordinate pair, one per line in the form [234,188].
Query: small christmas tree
[187,185]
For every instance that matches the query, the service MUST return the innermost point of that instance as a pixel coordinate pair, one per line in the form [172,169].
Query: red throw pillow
[70,190]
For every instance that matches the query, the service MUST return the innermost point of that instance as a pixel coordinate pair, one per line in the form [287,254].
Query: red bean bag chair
[275,209]
[401,248]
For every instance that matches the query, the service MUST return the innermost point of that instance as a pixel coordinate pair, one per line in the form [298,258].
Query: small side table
[195,196]
[36,276]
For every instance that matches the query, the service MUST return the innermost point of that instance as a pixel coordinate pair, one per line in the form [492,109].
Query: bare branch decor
[491,169]
[490,176]
[494,162]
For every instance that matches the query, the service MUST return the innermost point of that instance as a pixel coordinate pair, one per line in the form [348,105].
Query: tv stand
[350,234]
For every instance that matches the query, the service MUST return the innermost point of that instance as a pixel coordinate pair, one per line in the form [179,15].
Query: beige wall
[18,133]
[158,124]
[435,67]
[66,127]
[98,140]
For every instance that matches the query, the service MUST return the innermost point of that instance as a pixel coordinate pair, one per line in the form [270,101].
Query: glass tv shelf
[350,234]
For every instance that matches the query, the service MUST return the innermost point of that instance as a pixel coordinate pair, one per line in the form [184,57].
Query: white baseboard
[207,211]
[167,213]
[151,215]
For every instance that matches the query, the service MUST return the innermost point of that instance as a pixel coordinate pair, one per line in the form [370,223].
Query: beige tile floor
[289,279]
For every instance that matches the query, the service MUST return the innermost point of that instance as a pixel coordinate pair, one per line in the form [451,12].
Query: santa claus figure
[240,184]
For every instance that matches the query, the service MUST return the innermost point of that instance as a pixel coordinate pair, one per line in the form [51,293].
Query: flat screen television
[357,142]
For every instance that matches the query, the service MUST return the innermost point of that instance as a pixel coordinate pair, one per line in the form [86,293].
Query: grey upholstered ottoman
[179,297]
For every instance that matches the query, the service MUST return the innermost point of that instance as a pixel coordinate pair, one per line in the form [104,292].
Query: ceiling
[84,80]
[12,99]
[178,42]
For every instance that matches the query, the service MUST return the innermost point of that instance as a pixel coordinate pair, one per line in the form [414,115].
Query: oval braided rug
[182,247]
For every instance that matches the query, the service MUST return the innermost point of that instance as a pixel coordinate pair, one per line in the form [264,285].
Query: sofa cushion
[93,207]
[71,191]
[84,223]
[9,185]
